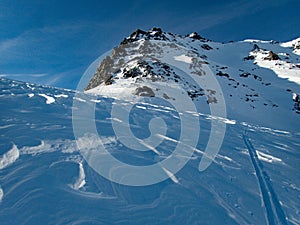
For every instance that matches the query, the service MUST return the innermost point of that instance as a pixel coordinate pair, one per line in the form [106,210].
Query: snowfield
[254,178]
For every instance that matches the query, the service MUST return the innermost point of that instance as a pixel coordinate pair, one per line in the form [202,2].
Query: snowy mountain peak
[255,76]
[152,34]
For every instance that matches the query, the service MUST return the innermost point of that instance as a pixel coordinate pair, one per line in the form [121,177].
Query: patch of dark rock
[144,91]
[103,73]
[249,57]
[221,74]
[245,74]
[155,34]
[109,81]
[211,92]
[196,36]
[255,47]
[206,47]
[211,99]
[132,73]
[194,94]
[272,56]
[165,96]
[256,77]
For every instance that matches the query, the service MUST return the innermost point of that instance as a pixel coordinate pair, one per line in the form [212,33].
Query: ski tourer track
[275,214]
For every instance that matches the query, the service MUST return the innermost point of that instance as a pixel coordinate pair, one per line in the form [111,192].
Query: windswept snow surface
[9,157]
[253,180]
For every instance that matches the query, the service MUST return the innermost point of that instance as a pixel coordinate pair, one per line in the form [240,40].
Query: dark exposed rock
[134,72]
[211,99]
[134,36]
[249,57]
[153,34]
[103,73]
[245,74]
[195,93]
[272,56]
[256,77]
[255,47]
[109,81]
[144,91]
[221,74]
[223,68]
[206,47]
[196,36]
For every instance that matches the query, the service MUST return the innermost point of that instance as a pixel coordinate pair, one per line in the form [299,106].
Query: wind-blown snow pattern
[254,178]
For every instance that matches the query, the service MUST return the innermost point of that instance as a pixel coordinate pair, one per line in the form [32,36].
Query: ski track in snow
[275,214]
[9,157]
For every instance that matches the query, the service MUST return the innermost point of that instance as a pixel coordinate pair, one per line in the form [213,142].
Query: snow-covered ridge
[255,76]
[295,44]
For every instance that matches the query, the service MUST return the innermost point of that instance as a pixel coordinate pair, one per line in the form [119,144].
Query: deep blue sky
[53,42]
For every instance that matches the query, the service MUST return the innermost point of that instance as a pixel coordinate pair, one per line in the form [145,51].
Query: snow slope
[254,178]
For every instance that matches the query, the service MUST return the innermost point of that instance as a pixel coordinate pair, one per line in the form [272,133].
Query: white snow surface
[49,99]
[183,58]
[9,157]
[1,194]
[282,68]
[293,44]
[267,158]
[80,182]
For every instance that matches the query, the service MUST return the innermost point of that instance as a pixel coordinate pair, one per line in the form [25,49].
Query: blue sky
[53,42]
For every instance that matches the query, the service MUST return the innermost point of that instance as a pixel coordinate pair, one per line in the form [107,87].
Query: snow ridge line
[275,214]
